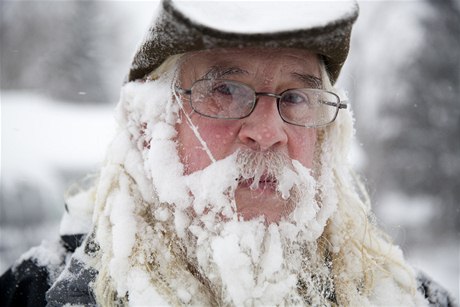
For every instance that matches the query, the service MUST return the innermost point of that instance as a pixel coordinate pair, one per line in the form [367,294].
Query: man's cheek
[304,148]
[221,141]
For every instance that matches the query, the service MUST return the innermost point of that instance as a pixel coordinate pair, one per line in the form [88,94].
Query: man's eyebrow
[217,72]
[309,80]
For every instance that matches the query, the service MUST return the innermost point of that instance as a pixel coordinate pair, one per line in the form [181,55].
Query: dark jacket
[29,283]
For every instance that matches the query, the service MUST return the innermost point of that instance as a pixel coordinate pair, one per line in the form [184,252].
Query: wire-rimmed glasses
[228,99]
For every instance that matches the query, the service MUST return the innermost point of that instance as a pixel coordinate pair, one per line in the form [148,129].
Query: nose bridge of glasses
[258,94]
[266,94]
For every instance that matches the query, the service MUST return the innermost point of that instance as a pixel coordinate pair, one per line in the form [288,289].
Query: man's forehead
[217,63]
[242,54]
[222,70]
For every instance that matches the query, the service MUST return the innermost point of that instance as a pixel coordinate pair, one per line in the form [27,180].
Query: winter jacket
[33,283]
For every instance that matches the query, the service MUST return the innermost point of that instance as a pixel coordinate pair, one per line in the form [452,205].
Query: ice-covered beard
[250,262]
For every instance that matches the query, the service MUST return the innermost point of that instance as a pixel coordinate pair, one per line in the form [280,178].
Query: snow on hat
[322,27]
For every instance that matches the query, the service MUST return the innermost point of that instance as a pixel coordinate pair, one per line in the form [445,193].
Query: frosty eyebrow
[309,80]
[217,72]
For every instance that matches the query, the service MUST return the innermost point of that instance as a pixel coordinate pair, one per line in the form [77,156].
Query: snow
[272,16]
[46,254]
[140,292]
[209,186]
[123,234]
[49,255]
[234,268]
[77,217]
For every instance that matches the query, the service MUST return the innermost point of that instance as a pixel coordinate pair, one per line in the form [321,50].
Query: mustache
[256,167]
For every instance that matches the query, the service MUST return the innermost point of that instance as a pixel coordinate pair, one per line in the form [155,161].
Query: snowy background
[62,64]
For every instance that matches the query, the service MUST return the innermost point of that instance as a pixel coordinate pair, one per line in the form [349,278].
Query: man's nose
[264,128]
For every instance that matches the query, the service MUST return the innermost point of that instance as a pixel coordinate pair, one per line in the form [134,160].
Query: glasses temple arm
[334,104]
[182,90]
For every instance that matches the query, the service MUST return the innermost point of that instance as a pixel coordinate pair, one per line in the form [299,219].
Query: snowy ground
[46,145]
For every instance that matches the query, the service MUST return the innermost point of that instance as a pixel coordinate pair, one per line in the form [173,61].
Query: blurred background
[62,64]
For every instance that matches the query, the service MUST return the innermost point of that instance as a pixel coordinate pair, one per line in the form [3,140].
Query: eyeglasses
[227,99]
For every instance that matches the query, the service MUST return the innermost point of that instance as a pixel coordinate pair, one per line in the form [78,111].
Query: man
[227,183]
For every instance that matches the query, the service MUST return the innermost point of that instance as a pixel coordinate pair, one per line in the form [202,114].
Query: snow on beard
[213,191]
[248,260]
[252,262]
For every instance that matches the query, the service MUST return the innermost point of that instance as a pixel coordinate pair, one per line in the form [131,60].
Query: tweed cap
[322,27]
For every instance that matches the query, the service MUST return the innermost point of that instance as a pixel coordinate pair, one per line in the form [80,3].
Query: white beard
[250,262]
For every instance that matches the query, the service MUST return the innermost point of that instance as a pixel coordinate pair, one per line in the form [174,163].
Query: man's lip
[265,183]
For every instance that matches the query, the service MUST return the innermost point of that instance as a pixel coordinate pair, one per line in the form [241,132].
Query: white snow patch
[46,254]
[140,291]
[77,220]
[123,236]
[209,185]
[234,267]
[49,255]
[264,16]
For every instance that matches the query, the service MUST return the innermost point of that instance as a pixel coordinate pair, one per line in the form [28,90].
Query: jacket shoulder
[26,282]
[435,294]
[24,285]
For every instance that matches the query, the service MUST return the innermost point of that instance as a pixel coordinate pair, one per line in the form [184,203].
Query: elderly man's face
[265,70]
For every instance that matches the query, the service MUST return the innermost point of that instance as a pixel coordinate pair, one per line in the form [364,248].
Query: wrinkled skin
[265,70]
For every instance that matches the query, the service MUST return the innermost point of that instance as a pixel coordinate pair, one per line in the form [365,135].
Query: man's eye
[294,98]
[225,89]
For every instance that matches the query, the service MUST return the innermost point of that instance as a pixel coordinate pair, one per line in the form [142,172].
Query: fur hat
[322,27]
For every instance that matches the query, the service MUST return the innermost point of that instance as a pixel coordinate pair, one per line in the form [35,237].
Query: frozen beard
[246,262]
[190,239]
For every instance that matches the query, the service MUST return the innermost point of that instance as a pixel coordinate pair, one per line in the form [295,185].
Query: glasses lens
[309,107]
[222,98]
